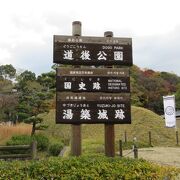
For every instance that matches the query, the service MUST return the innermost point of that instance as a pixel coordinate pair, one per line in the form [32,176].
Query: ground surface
[160,155]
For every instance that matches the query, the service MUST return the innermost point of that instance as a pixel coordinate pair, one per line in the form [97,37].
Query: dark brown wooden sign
[77,50]
[93,80]
[88,108]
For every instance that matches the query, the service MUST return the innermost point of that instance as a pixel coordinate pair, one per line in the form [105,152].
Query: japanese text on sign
[92,50]
[93,80]
[87,108]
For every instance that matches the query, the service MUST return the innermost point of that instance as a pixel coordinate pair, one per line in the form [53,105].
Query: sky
[27,28]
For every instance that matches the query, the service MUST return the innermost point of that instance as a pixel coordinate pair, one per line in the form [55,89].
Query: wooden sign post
[76,128]
[92,95]
[109,128]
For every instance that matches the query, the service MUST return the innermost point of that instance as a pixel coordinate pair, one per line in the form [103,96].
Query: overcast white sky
[27,28]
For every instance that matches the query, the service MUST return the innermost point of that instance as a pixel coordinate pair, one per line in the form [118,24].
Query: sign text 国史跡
[93,80]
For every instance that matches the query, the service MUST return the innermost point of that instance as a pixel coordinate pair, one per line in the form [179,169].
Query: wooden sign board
[82,50]
[92,108]
[93,80]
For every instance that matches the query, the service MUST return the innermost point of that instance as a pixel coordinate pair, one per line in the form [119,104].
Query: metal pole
[76,128]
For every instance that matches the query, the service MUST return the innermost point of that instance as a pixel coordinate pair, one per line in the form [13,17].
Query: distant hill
[143,121]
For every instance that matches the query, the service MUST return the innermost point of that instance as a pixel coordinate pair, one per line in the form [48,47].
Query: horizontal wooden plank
[11,156]
[90,72]
[93,39]
[98,96]
[15,147]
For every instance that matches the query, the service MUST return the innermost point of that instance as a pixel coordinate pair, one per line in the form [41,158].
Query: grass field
[143,121]
[6,132]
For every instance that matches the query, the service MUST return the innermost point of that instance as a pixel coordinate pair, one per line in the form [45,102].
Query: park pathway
[161,155]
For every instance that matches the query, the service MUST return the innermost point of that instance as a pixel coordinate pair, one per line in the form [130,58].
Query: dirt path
[160,155]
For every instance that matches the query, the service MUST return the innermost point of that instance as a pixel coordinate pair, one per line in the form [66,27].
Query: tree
[23,78]
[172,79]
[7,71]
[47,80]
[138,96]
[148,87]
[137,93]
[8,99]
[177,95]
[8,104]
[32,102]
[6,86]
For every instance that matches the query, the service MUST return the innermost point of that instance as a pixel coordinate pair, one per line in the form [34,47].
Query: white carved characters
[85,114]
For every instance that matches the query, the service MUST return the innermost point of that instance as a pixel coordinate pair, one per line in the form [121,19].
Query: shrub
[55,149]
[19,140]
[42,142]
[92,167]
[65,140]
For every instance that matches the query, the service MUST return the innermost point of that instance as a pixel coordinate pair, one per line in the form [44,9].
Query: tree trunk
[33,128]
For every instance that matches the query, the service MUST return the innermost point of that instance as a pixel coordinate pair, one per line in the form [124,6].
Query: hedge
[42,141]
[77,168]
[55,149]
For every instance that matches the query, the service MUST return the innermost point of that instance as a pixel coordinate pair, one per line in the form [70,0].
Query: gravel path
[160,155]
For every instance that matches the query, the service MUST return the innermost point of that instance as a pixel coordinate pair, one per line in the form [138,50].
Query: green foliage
[33,101]
[22,116]
[89,167]
[148,87]
[55,131]
[33,96]
[47,80]
[23,78]
[19,140]
[137,95]
[42,141]
[8,104]
[5,86]
[8,100]
[172,79]
[178,97]
[55,149]
[7,71]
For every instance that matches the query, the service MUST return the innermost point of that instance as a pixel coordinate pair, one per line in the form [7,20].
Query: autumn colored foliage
[148,88]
